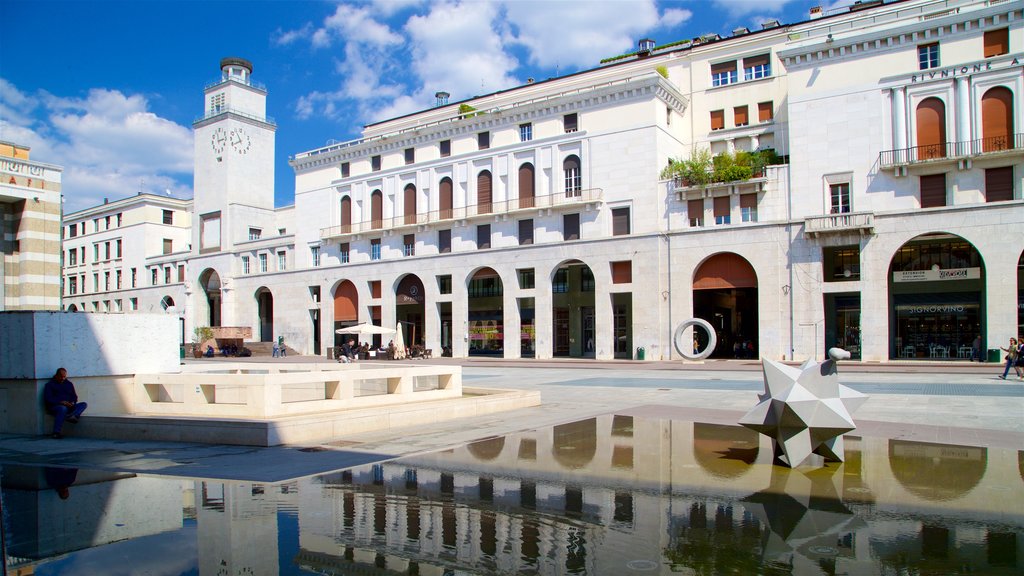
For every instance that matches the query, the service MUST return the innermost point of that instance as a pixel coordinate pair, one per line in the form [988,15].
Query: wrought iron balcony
[843,223]
[562,200]
[951,151]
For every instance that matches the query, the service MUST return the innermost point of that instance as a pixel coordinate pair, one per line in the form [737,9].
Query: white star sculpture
[804,410]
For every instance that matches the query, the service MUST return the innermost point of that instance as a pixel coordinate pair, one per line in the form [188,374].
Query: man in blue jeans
[61,401]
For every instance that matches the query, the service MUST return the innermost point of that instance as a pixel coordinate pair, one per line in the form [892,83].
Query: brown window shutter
[717,119]
[997,42]
[729,66]
[695,209]
[760,60]
[739,116]
[765,112]
[446,198]
[571,227]
[999,184]
[996,119]
[346,214]
[721,206]
[748,200]
[526,178]
[622,272]
[483,192]
[410,204]
[933,190]
[526,232]
[620,221]
[931,129]
[377,209]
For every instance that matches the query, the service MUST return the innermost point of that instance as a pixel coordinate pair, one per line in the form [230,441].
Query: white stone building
[536,221]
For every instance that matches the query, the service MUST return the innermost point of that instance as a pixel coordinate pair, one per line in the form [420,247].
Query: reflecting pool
[614,494]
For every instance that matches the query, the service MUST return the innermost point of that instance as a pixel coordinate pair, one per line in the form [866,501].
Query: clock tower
[233,185]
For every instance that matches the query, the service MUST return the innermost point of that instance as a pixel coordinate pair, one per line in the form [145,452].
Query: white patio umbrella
[399,343]
[365,330]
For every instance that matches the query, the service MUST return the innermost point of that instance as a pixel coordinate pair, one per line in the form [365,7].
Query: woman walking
[1011,358]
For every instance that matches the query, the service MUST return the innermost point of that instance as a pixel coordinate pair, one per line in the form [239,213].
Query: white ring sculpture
[712,339]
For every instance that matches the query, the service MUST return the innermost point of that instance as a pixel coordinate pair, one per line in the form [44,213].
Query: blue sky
[109,89]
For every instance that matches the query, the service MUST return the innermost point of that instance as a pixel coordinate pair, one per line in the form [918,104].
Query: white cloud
[579,34]
[674,17]
[109,144]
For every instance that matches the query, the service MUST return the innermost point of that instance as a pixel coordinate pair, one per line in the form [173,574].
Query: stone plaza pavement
[950,403]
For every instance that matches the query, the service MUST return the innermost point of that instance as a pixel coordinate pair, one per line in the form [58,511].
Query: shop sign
[936,275]
[910,309]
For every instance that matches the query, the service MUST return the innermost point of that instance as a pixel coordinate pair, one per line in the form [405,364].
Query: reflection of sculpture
[804,410]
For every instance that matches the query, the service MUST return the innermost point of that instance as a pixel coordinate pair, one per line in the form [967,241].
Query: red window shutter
[748,200]
[717,119]
[997,42]
[760,60]
[483,192]
[622,272]
[931,129]
[765,112]
[999,184]
[729,66]
[996,119]
[933,190]
[721,206]
[739,114]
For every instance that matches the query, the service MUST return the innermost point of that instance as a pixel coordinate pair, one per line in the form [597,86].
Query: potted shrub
[200,334]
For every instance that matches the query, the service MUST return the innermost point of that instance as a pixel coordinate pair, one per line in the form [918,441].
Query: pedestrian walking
[976,349]
[1011,357]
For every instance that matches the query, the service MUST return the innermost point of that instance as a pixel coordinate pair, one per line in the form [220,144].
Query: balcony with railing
[952,151]
[560,201]
[862,223]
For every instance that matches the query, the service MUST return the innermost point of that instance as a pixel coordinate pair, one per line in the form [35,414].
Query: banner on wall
[937,275]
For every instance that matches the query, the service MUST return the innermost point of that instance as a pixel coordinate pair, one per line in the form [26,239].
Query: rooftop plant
[701,168]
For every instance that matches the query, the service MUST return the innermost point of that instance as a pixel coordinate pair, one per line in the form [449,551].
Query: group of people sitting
[352,350]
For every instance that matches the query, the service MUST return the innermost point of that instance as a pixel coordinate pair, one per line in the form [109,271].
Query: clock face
[240,141]
[218,140]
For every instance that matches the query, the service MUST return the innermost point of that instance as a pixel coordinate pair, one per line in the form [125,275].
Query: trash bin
[640,353]
[993,355]
[181,352]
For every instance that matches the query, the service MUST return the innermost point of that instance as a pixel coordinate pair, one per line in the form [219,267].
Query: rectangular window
[167,275]
[526,132]
[999,184]
[133,303]
[106,250]
[739,116]
[96,252]
[375,163]
[343,252]
[928,56]
[314,255]
[282,260]
[255,233]
[346,170]
[620,221]
[446,148]
[118,305]
[73,230]
[757,67]
[997,42]
[571,227]
[106,281]
[571,122]
[73,285]
[483,236]
[444,241]
[168,246]
[118,279]
[96,280]
[118,219]
[840,263]
[181,272]
[375,293]
[717,119]
[587,283]
[444,284]
[721,208]
[839,198]
[765,112]
[153,276]
[81,255]
[410,156]
[723,73]
[409,244]
[118,247]
[95,224]
[245,265]
[263,262]
[622,272]
[209,232]
[72,257]
[526,232]
[106,223]
[375,249]
[560,283]
[135,278]
[933,190]
[527,280]
[483,140]
[748,207]
[168,217]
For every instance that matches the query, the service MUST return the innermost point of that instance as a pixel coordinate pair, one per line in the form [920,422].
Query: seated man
[61,401]
[209,352]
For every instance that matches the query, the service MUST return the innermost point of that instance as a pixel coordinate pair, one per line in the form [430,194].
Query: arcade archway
[936,296]
[572,310]
[346,308]
[486,316]
[409,308]
[265,308]
[725,294]
[209,280]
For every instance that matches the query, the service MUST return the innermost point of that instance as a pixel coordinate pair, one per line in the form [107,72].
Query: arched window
[483,192]
[167,302]
[410,204]
[346,214]
[931,129]
[446,198]
[996,119]
[377,209]
[526,188]
[573,178]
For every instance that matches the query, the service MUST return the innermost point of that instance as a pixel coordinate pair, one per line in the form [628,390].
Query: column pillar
[899,118]
[963,114]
